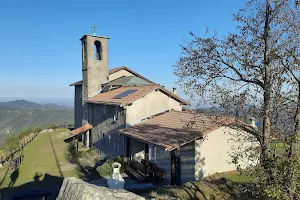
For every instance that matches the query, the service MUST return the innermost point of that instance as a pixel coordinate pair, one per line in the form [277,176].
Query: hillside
[47,160]
[20,114]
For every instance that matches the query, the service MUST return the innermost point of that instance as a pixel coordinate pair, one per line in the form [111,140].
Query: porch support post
[77,143]
[87,138]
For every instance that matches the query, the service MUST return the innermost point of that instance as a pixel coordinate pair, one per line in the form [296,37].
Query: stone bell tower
[94,68]
[94,73]
[94,64]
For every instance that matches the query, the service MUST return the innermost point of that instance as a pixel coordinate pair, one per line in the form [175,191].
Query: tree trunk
[267,83]
[265,157]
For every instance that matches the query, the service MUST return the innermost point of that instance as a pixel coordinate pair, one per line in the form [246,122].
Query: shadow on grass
[49,183]
[217,188]
[234,190]
[55,156]
[86,173]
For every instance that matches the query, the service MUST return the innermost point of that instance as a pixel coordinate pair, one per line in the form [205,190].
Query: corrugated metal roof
[129,81]
[111,71]
[174,129]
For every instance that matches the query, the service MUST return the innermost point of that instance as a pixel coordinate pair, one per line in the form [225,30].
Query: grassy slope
[52,160]
[219,186]
[47,161]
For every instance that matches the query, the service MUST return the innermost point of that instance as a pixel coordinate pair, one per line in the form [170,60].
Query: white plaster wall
[119,74]
[151,104]
[212,154]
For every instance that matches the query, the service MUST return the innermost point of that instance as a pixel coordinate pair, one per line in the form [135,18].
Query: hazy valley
[20,114]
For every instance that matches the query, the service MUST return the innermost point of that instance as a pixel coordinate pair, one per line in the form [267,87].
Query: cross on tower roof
[94,27]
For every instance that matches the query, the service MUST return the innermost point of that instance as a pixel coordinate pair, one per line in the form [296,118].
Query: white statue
[116,181]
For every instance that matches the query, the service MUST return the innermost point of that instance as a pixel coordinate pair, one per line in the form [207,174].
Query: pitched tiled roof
[111,71]
[81,129]
[173,129]
[141,91]
[78,131]
[76,83]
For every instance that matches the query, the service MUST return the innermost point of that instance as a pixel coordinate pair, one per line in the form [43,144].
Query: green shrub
[52,126]
[37,130]
[25,132]
[11,143]
[106,169]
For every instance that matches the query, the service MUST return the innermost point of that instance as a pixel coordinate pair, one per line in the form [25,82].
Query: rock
[75,189]
[47,130]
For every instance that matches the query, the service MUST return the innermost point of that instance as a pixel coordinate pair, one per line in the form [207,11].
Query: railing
[2,161]
[19,148]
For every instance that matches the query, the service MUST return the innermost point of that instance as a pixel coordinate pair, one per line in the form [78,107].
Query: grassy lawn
[219,186]
[47,160]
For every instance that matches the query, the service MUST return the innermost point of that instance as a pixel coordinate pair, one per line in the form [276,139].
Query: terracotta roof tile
[108,97]
[81,129]
[173,129]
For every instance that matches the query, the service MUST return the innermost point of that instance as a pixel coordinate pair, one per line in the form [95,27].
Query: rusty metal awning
[78,131]
[81,129]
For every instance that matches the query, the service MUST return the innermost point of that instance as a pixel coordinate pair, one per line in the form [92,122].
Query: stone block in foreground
[76,189]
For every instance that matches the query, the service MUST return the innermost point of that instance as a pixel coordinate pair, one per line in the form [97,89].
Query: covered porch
[147,162]
[168,141]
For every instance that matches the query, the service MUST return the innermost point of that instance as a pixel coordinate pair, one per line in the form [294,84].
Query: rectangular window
[150,152]
[116,148]
[154,154]
[103,139]
[104,112]
[116,114]
[109,139]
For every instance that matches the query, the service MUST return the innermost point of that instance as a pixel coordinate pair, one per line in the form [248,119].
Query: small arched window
[97,50]
[83,50]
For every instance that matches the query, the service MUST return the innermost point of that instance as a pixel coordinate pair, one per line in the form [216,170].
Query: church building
[119,112]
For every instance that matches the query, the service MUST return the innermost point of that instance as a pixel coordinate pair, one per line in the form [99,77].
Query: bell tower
[94,64]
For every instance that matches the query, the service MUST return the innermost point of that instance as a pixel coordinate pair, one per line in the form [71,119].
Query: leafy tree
[250,72]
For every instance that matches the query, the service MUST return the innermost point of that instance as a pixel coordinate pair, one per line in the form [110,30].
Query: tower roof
[88,35]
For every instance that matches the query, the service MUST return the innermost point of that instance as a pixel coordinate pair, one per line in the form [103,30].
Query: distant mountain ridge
[20,114]
[31,105]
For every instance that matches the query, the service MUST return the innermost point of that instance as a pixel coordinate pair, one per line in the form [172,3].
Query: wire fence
[30,139]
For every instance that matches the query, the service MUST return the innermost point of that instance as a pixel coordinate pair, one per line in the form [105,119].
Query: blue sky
[40,52]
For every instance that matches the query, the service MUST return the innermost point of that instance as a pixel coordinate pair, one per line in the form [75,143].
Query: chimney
[174,90]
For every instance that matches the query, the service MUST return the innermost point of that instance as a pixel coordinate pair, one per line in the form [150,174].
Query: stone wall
[75,189]
[105,136]
[78,107]
[186,154]
[163,160]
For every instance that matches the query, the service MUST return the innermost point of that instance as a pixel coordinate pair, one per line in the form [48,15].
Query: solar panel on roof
[124,94]
[106,88]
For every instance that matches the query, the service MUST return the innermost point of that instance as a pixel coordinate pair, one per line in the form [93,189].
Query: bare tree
[248,71]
